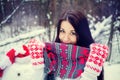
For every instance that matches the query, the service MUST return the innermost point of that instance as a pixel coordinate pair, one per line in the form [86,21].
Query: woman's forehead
[66,25]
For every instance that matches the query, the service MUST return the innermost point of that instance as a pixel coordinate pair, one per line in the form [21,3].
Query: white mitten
[94,64]
[35,47]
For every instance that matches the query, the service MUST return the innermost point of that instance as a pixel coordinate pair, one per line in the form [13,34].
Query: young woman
[73,28]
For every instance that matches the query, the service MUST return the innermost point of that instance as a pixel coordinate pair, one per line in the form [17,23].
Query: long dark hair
[80,24]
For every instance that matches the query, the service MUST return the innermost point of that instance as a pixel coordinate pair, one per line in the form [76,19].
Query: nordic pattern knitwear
[36,51]
[65,60]
[96,59]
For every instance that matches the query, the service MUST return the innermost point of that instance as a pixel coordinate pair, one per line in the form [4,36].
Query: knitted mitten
[94,64]
[35,47]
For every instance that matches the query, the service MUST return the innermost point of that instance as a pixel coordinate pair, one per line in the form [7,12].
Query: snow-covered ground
[111,71]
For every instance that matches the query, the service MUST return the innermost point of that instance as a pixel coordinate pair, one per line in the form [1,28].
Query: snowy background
[27,19]
[112,67]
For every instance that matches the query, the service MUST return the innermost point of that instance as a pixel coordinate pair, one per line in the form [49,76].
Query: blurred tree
[34,13]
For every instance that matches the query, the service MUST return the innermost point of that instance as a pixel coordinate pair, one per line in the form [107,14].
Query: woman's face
[67,33]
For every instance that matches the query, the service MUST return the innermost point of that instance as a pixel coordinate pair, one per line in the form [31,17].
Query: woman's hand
[35,47]
[96,59]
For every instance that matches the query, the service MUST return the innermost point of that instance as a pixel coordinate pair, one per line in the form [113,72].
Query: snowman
[23,64]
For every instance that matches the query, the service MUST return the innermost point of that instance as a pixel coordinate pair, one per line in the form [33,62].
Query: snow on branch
[9,16]
[102,26]
[22,37]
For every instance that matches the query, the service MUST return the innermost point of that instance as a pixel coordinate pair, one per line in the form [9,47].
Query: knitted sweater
[65,60]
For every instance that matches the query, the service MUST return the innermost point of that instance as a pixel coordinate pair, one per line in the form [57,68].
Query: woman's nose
[66,38]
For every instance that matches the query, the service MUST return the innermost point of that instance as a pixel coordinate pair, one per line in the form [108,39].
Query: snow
[111,71]
[23,36]
[102,26]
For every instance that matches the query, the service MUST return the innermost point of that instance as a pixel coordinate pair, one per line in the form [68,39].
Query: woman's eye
[61,30]
[73,33]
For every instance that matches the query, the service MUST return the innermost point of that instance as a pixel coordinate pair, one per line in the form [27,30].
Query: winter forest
[21,20]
